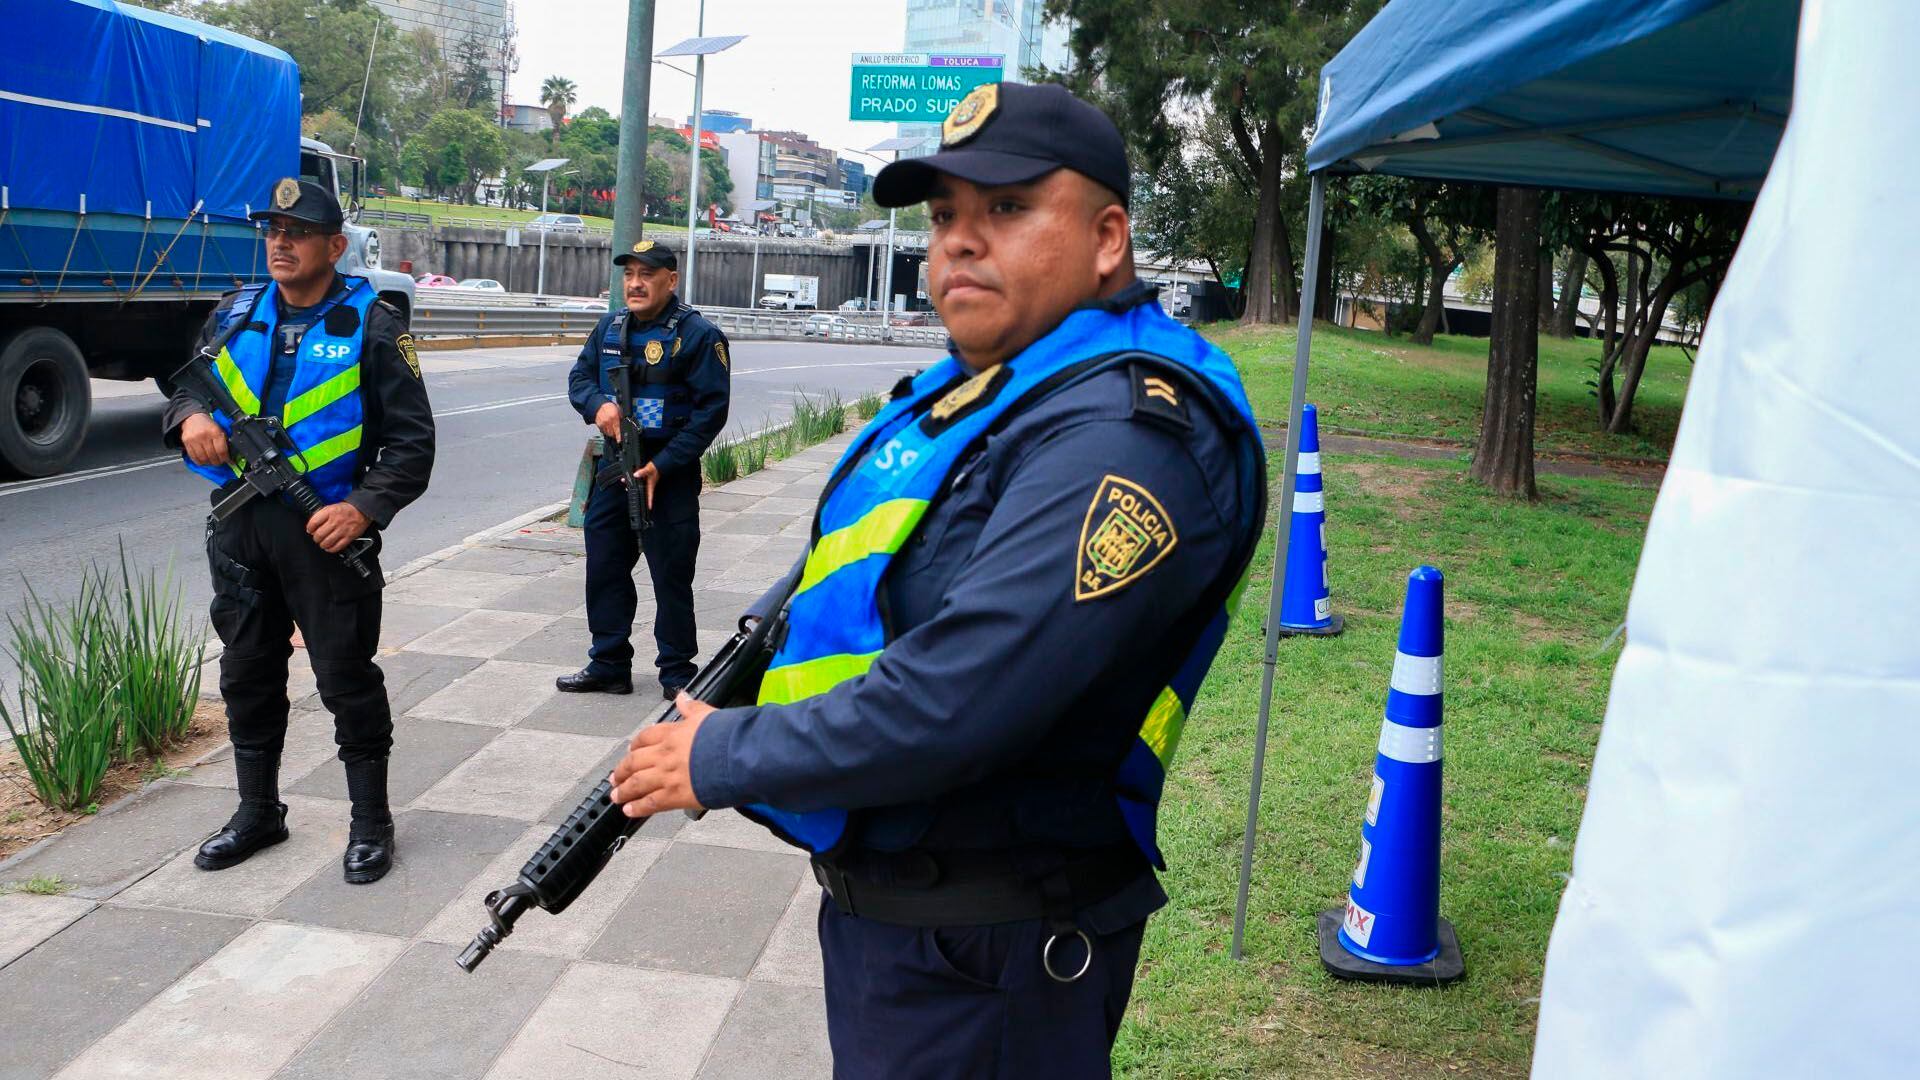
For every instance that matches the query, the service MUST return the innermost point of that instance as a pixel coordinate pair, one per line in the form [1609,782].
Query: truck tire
[45,397]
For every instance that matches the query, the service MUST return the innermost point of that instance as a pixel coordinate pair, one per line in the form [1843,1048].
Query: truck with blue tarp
[133,146]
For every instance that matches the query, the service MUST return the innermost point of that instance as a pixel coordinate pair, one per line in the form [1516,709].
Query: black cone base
[1447,967]
[1338,624]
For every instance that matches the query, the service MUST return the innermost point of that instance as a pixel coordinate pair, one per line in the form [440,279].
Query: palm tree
[558,94]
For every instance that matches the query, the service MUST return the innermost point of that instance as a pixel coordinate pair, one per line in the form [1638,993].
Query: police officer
[321,353]
[680,388]
[1021,571]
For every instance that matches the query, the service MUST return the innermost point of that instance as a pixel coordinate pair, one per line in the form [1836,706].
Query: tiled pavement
[693,955]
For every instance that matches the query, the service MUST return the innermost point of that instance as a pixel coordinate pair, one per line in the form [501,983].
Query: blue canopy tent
[1659,97]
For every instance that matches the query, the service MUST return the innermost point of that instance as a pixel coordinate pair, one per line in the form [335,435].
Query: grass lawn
[1370,384]
[1533,594]
[452,213]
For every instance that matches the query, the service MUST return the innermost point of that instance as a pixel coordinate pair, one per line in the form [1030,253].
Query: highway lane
[508,442]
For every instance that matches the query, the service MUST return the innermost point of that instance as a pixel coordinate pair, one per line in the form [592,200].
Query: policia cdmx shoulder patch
[409,352]
[1126,533]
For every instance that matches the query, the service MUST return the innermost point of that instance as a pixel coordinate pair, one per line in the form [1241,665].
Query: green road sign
[916,88]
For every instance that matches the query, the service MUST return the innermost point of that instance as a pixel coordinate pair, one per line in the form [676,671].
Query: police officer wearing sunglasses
[317,350]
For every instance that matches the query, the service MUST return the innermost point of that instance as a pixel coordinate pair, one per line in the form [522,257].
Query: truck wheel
[44,401]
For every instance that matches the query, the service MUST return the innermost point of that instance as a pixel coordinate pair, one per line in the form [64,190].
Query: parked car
[913,318]
[434,281]
[485,284]
[824,325]
[557,223]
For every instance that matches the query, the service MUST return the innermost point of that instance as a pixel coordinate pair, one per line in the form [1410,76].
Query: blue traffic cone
[1390,929]
[1307,607]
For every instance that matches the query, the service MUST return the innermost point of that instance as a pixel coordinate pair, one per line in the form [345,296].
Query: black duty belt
[976,889]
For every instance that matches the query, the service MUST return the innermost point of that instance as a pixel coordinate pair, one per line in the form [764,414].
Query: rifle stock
[562,868]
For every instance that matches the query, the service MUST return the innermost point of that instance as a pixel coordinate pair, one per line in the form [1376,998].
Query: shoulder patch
[1159,397]
[409,352]
[969,397]
[1125,534]
[720,350]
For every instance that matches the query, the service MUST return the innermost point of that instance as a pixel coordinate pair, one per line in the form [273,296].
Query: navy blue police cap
[648,253]
[1013,133]
[303,200]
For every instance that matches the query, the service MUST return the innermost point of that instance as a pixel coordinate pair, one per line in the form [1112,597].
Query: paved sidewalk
[693,955]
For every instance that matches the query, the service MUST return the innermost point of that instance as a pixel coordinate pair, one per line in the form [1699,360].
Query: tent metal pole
[1283,531]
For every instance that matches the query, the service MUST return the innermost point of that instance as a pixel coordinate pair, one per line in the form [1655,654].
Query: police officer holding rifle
[653,378]
[304,406]
[1020,573]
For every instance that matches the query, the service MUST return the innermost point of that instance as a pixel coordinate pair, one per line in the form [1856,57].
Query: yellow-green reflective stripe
[321,454]
[321,396]
[796,682]
[1165,721]
[880,531]
[243,394]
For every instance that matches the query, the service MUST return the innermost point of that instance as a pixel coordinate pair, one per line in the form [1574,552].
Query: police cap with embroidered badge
[303,200]
[1012,133]
[648,253]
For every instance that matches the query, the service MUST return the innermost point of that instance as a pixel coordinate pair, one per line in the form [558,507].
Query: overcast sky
[792,72]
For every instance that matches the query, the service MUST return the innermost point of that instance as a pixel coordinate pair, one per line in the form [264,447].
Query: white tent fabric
[1745,899]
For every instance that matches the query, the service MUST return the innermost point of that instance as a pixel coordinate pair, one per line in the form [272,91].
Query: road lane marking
[22,487]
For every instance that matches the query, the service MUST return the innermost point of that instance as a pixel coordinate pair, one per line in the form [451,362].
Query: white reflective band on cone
[1416,674]
[1309,502]
[1309,464]
[1413,745]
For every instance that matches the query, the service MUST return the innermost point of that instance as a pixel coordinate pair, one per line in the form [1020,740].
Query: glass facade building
[1017,31]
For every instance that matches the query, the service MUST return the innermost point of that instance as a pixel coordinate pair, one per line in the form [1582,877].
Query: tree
[1447,222]
[1254,65]
[453,152]
[330,42]
[471,71]
[338,132]
[1503,460]
[1669,247]
[1573,283]
[558,94]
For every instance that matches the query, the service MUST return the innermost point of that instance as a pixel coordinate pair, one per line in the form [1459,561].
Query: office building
[721,121]
[1014,30]
[854,179]
[453,21]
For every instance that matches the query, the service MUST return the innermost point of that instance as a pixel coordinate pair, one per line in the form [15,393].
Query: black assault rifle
[260,448]
[579,849]
[630,461]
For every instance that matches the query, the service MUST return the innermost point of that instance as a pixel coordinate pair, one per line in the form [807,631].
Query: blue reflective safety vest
[662,403]
[323,411]
[906,458]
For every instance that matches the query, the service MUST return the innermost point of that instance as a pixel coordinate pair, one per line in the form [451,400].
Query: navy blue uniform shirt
[700,364]
[999,713]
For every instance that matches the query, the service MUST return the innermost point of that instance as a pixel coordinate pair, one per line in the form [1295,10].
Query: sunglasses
[295,232]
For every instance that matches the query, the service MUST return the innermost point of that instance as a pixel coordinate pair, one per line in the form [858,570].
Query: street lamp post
[897,144]
[545,169]
[699,48]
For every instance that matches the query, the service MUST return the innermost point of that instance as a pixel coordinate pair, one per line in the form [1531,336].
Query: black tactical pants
[268,574]
[672,546]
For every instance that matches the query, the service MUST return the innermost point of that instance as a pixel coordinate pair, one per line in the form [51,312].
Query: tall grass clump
[817,421]
[63,719]
[868,405]
[721,463]
[110,674]
[156,647]
[753,455]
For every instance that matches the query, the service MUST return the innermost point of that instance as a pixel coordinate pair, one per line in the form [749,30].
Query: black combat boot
[370,839]
[261,821]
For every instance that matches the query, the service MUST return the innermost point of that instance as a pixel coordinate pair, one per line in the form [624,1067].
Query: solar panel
[901,142]
[703,46]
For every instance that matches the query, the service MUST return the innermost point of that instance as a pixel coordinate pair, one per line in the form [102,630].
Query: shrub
[753,455]
[65,727]
[868,406]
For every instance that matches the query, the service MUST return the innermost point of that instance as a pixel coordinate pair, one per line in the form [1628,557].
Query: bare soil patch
[25,820]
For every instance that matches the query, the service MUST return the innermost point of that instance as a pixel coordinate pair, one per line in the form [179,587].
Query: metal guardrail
[436,319]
